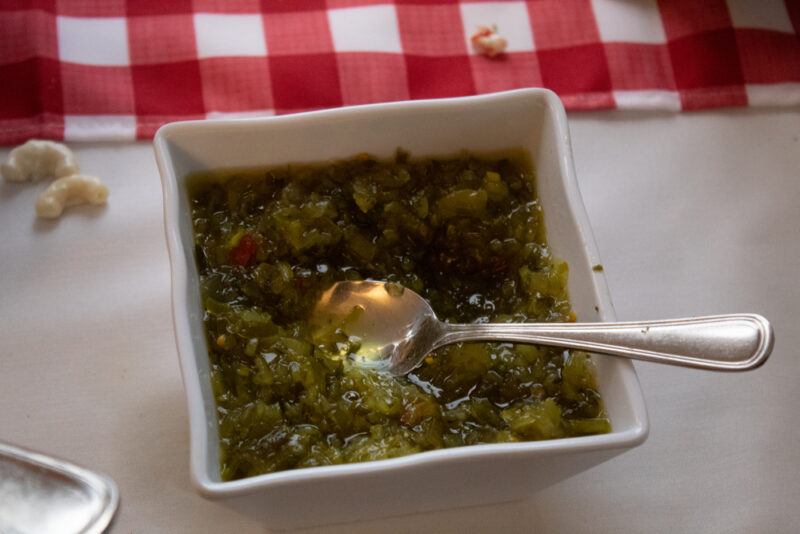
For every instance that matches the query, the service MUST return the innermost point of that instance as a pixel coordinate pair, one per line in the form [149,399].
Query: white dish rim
[199,431]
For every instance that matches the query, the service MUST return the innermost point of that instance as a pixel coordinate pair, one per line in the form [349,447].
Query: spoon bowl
[395,328]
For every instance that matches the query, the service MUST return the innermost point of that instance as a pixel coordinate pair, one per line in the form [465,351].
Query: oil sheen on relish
[465,232]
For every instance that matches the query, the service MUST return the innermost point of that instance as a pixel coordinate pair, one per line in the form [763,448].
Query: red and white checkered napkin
[110,69]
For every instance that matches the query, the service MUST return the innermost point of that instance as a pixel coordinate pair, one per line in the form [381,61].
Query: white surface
[78,38]
[229,35]
[693,214]
[85,127]
[648,100]
[633,22]
[764,15]
[779,94]
[365,29]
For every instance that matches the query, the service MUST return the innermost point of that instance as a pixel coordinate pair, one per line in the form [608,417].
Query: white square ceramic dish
[532,119]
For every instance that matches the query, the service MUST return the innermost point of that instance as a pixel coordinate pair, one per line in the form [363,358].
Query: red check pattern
[111,69]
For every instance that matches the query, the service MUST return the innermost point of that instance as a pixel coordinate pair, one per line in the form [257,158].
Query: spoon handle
[719,342]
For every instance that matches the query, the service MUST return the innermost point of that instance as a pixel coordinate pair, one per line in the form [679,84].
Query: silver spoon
[397,328]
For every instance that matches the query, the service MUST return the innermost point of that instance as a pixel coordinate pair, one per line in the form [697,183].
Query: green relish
[465,232]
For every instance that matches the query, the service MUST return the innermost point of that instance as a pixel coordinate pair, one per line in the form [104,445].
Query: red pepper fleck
[244,251]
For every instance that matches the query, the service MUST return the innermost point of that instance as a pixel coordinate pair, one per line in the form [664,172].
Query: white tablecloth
[693,214]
